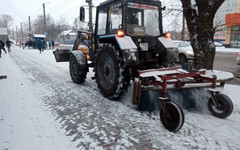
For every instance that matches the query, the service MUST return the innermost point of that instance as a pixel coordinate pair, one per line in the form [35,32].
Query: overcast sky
[21,9]
[68,9]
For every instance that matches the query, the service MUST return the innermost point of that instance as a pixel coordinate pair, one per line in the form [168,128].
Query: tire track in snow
[71,110]
[95,122]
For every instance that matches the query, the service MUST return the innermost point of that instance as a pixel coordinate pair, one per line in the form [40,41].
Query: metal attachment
[213,96]
[162,101]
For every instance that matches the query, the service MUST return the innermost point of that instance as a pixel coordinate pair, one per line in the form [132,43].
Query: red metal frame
[176,79]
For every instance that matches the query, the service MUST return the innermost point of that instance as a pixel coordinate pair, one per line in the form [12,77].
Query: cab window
[115,19]
[102,22]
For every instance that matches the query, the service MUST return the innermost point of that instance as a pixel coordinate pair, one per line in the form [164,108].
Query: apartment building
[233,28]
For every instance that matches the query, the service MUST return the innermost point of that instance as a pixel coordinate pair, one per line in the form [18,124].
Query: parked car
[185,51]
[238,59]
[217,44]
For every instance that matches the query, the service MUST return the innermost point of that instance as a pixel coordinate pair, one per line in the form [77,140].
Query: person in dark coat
[52,44]
[2,44]
[8,44]
[39,45]
[49,44]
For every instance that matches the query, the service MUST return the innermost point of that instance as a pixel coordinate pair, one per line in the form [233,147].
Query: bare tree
[38,26]
[51,27]
[62,25]
[199,15]
[5,21]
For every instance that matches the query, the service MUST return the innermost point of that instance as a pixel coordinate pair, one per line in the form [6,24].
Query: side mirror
[82,14]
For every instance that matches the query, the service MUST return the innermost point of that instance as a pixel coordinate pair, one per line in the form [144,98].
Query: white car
[185,51]
[217,44]
[238,59]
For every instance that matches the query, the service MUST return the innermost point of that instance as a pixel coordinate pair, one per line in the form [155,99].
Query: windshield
[143,19]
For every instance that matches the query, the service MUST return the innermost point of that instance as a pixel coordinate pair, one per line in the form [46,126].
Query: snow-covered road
[41,108]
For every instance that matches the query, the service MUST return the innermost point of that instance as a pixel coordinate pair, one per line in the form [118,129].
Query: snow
[39,35]
[162,73]
[42,109]
[221,75]
[24,122]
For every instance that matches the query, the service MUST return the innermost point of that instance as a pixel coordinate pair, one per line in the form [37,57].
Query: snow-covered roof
[39,35]
[68,32]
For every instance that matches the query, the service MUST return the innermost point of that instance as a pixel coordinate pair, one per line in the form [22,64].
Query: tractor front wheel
[224,106]
[78,72]
[112,77]
[174,119]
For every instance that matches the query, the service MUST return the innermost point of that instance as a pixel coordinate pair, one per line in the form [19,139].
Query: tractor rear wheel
[224,107]
[175,118]
[112,77]
[78,72]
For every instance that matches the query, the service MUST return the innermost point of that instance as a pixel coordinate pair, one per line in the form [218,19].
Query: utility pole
[44,18]
[29,23]
[16,33]
[21,33]
[90,24]
[13,33]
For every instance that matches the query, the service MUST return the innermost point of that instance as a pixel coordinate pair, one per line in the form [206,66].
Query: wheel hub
[106,71]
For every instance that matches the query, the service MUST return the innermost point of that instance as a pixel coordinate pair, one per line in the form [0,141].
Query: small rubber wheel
[224,108]
[182,58]
[174,121]
[78,72]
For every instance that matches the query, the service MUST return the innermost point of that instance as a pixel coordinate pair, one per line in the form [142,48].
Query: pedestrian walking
[49,44]
[8,44]
[23,45]
[2,44]
[53,44]
[39,45]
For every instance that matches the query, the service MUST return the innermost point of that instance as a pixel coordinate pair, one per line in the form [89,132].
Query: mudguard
[167,42]
[126,45]
[80,57]
[171,48]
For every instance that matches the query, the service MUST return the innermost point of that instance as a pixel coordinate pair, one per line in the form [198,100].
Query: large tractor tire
[174,121]
[224,108]
[112,77]
[78,71]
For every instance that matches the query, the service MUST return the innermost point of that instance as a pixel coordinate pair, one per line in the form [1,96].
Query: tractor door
[109,21]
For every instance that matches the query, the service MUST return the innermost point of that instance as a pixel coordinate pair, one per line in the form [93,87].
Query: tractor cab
[135,24]
[135,18]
